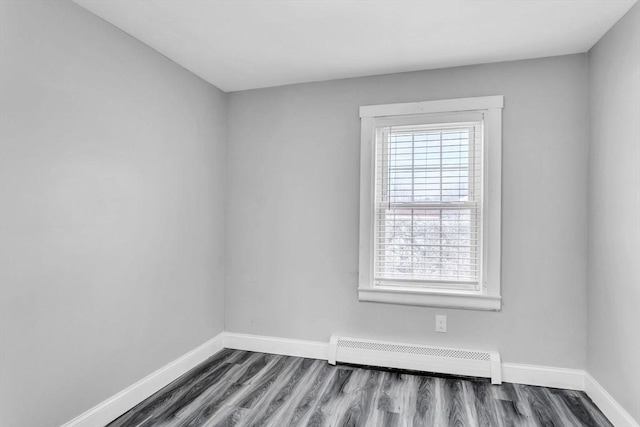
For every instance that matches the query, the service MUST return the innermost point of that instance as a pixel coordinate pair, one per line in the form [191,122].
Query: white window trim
[489,296]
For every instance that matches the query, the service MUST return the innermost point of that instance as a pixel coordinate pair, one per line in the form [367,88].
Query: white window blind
[428,202]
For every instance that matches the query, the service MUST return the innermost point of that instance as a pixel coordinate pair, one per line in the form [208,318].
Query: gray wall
[112,211]
[614,212]
[292,211]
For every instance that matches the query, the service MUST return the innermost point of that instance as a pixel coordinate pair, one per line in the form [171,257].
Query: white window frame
[488,297]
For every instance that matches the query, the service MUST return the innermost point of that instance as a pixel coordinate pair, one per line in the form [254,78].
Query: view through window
[428,204]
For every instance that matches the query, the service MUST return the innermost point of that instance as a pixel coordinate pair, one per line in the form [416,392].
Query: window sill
[430,298]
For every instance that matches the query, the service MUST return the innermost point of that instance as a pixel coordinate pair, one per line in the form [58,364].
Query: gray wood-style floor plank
[245,389]
[299,409]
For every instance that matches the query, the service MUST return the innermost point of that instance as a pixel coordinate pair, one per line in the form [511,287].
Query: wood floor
[240,388]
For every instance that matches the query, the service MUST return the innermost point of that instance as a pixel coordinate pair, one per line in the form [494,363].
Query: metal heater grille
[417,357]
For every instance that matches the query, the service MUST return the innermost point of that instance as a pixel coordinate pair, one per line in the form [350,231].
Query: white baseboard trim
[103,413]
[607,404]
[511,372]
[121,402]
[545,376]
[284,346]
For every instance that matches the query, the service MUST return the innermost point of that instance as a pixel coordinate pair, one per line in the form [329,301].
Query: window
[430,203]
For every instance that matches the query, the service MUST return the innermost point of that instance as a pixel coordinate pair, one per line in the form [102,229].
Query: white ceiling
[245,44]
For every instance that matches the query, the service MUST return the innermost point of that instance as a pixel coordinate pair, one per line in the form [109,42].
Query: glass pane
[420,172]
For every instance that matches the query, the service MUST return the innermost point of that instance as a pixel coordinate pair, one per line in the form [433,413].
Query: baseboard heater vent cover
[456,361]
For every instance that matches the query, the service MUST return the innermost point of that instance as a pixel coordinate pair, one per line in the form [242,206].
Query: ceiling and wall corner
[240,45]
[613,256]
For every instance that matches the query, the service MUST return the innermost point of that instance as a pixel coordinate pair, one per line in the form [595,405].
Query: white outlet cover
[441,323]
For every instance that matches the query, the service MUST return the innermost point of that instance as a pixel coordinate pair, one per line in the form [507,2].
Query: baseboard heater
[474,363]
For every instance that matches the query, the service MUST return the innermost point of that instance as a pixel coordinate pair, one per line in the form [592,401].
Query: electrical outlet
[441,323]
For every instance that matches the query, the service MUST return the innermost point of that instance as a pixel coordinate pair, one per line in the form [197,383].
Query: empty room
[319,213]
